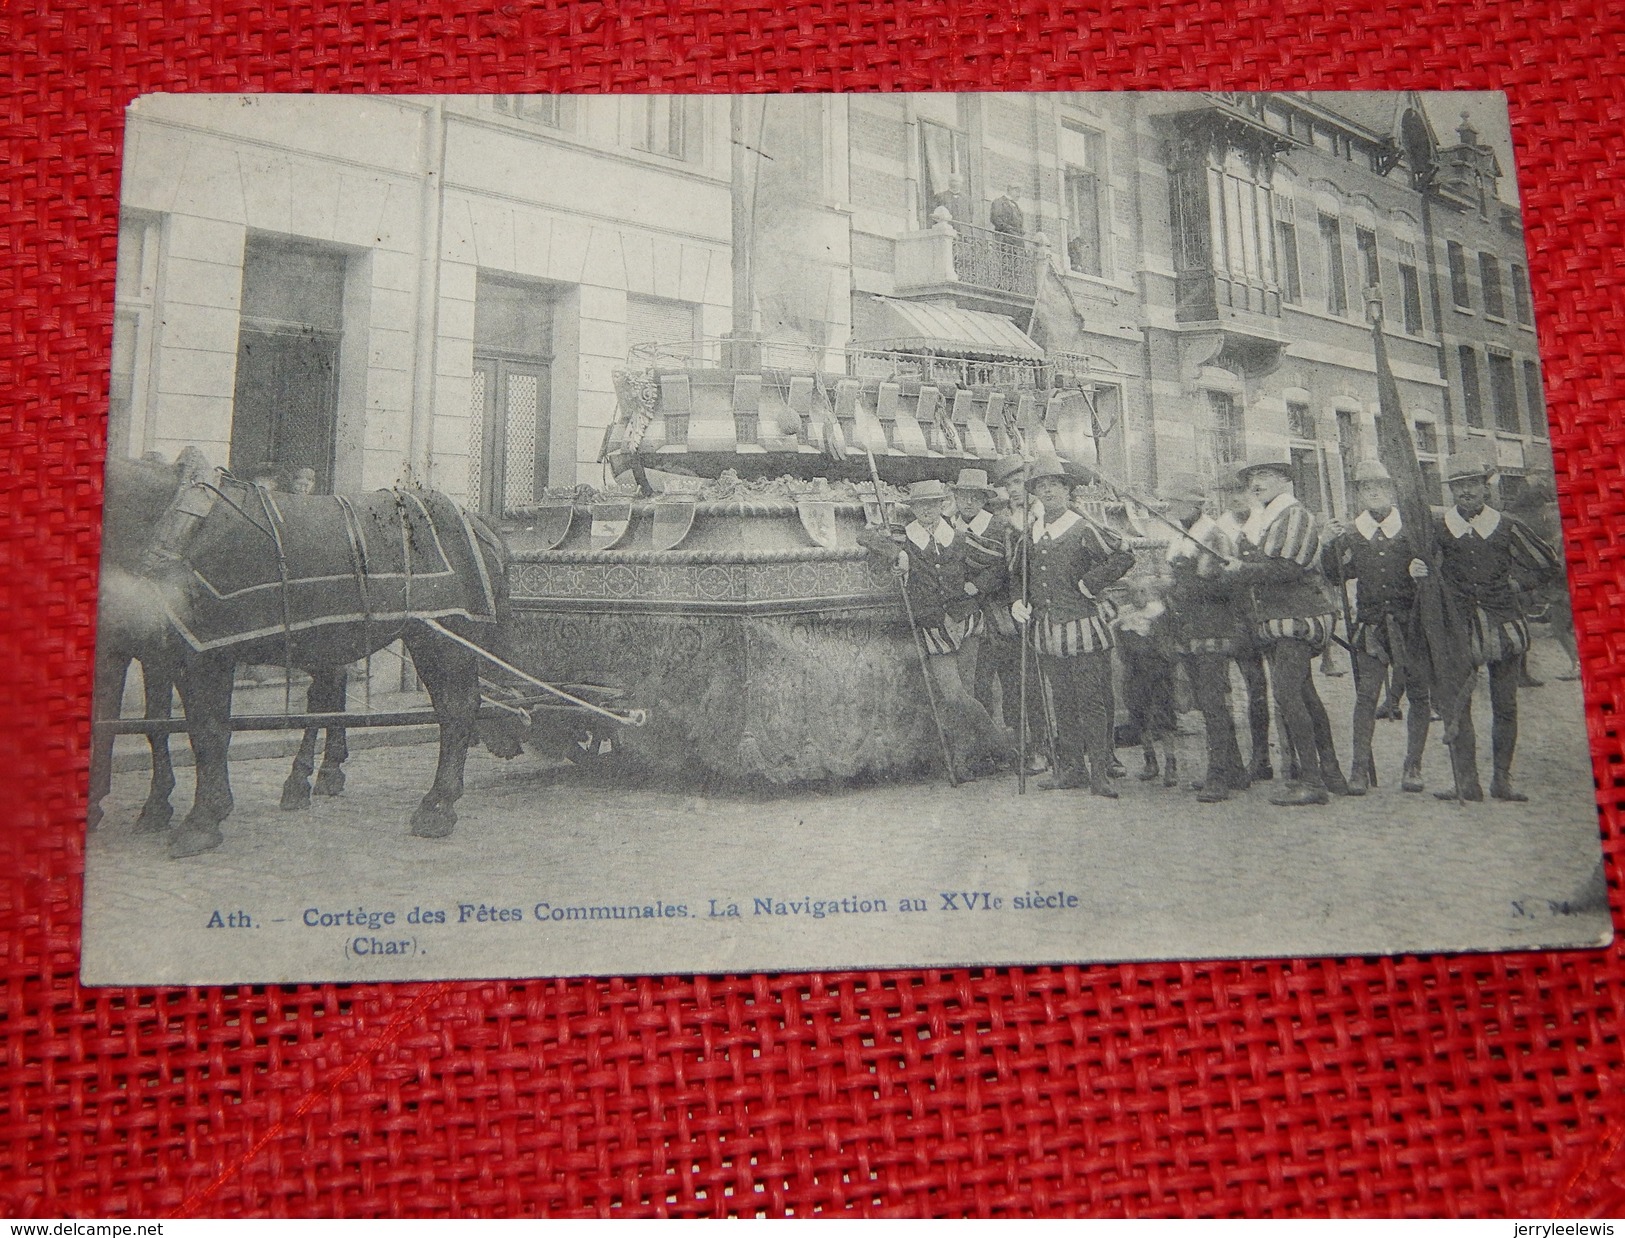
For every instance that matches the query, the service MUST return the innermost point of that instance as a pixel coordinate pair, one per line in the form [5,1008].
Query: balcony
[965,261]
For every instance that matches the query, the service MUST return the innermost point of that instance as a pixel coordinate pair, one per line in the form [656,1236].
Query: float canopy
[914,326]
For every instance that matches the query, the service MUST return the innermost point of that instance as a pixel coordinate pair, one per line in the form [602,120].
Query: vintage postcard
[574,535]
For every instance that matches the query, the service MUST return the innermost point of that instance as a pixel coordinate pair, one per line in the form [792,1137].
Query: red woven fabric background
[1447,1085]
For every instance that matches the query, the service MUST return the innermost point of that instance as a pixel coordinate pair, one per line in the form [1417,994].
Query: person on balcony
[1005,215]
[953,199]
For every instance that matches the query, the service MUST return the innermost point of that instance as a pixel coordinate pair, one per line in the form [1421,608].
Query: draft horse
[201,572]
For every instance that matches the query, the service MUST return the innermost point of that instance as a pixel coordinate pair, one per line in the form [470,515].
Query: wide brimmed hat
[921,490]
[1265,461]
[973,479]
[1461,468]
[1183,488]
[1047,465]
[1370,470]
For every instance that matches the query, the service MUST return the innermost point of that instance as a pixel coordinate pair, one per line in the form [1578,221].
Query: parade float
[722,581]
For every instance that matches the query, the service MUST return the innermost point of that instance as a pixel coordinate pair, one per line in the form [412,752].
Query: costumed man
[1279,563]
[1069,562]
[1378,552]
[946,615]
[1206,634]
[1002,641]
[1487,559]
[1536,507]
[985,537]
[1234,505]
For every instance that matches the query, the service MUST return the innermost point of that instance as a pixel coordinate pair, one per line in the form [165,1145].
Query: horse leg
[158,684]
[335,683]
[110,675]
[296,790]
[206,694]
[453,681]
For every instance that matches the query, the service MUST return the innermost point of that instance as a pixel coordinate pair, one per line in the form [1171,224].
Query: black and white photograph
[560,535]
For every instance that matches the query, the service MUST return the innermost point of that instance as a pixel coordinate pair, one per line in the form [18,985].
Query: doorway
[285,406]
[509,405]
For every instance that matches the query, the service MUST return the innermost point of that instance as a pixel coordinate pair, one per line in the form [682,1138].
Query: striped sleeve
[1532,557]
[1293,536]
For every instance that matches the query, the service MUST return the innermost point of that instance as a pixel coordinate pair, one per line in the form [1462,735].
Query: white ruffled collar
[1485,523]
[1260,518]
[977,524]
[1062,523]
[942,532]
[1201,529]
[1369,526]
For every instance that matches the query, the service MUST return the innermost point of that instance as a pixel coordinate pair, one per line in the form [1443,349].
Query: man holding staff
[1378,552]
[1069,563]
[946,618]
[987,572]
[1278,561]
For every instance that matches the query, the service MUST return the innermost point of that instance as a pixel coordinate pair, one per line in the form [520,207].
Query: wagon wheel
[593,745]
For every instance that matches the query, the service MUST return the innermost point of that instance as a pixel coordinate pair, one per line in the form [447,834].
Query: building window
[1085,190]
[1536,398]
[1286,244]
[1459,292]
[554,111]
[1411,287]
[1331,243]
[668,125]
[1521,301]
[1427,437]
[289,340]
[1300,421]
[1489,268]
[660,327]
[1348,449]
[944,173]
[510,401]
[1432,481]
[1365,241]
[1306,478]
[1224,444]
[1472,401]
[134,300]
[1504,393]
[1247,232]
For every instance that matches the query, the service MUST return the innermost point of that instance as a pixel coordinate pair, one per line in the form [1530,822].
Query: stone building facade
[381,289]
[1214,257]
[384,289]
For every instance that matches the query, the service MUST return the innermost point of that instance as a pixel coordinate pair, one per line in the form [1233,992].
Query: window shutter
[652,320]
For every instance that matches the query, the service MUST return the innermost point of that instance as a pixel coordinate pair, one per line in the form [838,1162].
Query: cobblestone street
[1154,875]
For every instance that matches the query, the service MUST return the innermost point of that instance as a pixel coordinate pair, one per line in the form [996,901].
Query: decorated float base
[781,700]
[766,644]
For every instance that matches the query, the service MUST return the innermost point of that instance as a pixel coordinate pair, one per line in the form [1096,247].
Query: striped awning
[916,326]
